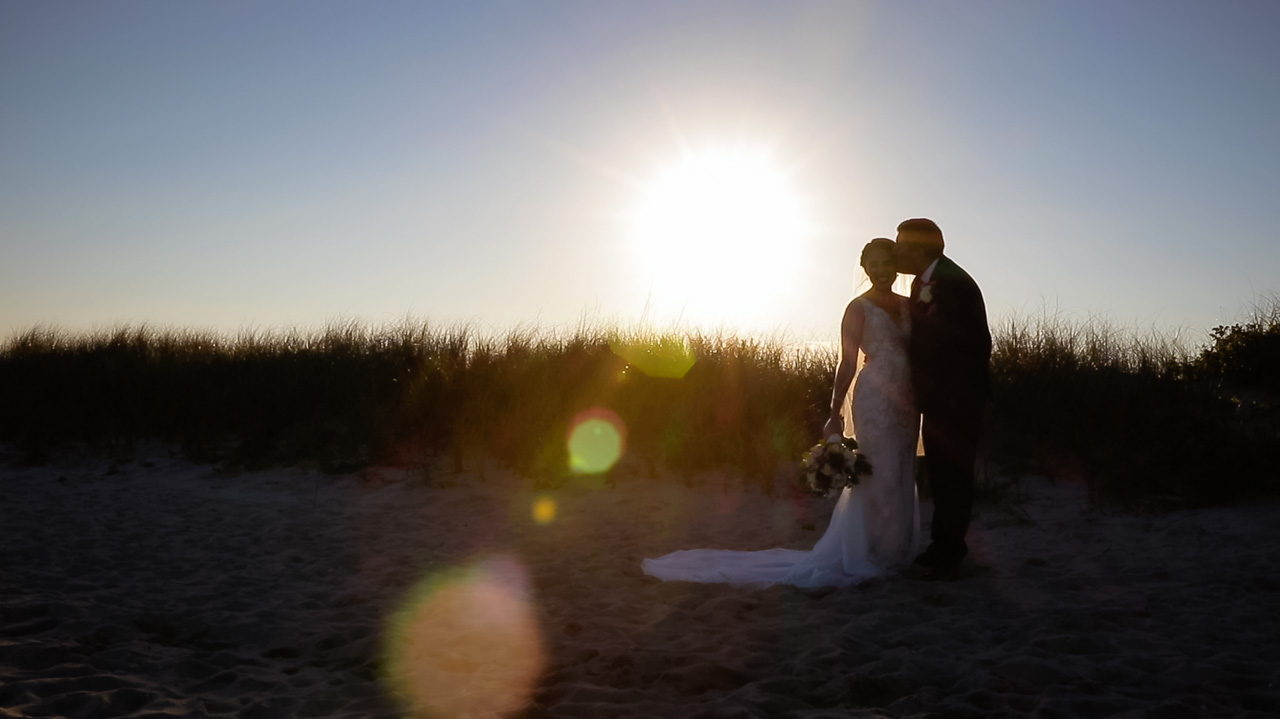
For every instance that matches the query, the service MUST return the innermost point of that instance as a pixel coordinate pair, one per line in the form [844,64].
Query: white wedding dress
[876,525]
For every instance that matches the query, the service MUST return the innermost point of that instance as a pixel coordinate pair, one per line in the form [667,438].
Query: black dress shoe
[929,557]
[943,572]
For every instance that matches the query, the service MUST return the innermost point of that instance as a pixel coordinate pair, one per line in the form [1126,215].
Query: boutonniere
[926,293]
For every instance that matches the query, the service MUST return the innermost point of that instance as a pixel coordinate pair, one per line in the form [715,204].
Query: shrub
[1248,354]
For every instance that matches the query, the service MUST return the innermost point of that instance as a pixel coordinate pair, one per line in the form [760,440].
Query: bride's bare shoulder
[855,318]
[857,305]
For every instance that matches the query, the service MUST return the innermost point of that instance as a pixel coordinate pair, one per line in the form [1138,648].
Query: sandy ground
[168,589]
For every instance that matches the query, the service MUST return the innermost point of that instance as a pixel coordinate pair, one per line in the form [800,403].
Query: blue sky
[243,164]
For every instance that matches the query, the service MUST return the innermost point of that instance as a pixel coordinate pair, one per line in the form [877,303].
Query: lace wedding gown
[876,525]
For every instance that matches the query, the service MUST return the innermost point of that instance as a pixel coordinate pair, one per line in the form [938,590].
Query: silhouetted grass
[351,395]
[1138,416]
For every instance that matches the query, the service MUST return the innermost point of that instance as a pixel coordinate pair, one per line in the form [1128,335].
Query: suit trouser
[951,438]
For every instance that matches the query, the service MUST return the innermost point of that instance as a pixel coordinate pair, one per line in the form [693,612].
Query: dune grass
[1137,415]
[1142,416]
[350,395]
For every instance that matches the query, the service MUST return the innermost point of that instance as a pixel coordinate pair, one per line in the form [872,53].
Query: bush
[1246,355]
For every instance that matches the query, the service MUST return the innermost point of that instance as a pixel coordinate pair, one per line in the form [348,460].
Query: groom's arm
[959,323]
[955,342]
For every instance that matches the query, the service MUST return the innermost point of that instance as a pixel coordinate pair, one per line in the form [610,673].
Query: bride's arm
[850,338]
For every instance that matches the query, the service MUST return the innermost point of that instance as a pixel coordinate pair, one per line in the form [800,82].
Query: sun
[717,233]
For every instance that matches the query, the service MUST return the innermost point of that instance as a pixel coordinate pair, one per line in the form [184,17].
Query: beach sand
[162,588]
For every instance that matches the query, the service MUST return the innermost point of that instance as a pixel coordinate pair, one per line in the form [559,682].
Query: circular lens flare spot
[597,439]
[466,643]
[544,510]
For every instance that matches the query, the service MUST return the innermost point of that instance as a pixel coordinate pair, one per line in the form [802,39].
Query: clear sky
[266,164]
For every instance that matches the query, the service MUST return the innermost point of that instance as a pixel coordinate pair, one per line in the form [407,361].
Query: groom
[950,354]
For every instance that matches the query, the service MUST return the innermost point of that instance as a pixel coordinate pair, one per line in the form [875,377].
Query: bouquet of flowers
[834,464]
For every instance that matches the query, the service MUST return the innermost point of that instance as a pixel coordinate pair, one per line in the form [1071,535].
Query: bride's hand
[834,425]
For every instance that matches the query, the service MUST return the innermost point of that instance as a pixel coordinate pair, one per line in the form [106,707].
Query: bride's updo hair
[879,243]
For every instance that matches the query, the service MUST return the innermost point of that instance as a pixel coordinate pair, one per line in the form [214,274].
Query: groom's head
[919,243]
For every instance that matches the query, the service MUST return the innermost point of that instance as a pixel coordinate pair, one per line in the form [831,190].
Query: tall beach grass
[1138,415]
[351,394]
[1141,415]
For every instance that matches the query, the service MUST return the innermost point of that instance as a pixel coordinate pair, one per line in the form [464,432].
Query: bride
[876,525]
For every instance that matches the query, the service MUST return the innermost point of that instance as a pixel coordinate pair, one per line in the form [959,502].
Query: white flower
[926,293]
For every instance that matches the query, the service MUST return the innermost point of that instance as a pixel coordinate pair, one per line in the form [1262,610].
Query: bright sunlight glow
[718,234]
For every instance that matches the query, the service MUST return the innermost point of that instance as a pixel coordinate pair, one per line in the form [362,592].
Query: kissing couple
[926,374]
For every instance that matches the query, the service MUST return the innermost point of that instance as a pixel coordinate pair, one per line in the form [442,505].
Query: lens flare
[466,643]
[669,357]
[544,510]
[597,439]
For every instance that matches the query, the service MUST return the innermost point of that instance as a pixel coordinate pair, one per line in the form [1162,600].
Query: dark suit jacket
[950,347]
